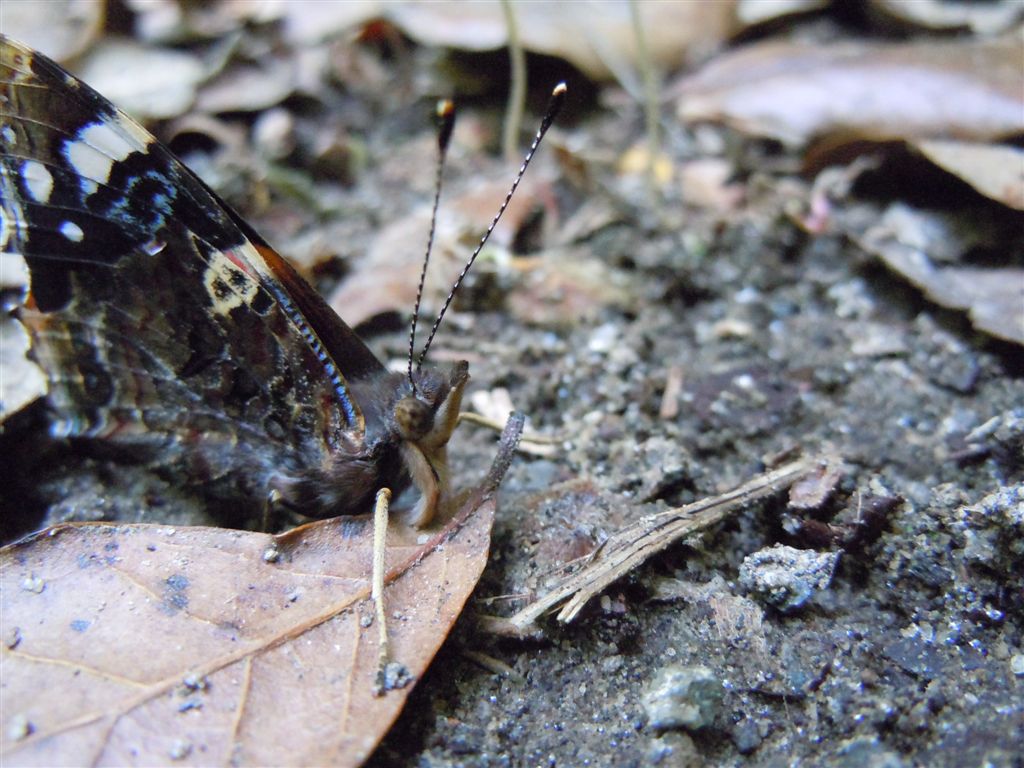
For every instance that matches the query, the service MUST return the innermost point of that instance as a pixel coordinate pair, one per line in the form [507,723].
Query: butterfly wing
[157,314]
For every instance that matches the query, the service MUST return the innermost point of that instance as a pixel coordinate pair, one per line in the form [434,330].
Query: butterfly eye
[413,417]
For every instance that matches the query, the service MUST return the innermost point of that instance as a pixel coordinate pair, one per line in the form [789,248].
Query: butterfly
[169,330]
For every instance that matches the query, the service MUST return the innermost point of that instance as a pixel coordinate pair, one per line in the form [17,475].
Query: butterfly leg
[389,675]
[270,507]
[380,531]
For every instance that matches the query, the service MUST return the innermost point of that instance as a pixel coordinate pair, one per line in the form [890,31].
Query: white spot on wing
[11,214]
[72,231]
[88,162]
[10,138]
[38,180]
[154,246]
[6,230]
[106,138]
[61,428]
[98,146]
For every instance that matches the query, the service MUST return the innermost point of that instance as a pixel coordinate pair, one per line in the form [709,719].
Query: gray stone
[746,736]
[786,577]
[866,752]
[674,750]
[683,697]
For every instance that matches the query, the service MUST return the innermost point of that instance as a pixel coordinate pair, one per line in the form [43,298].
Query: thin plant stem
[650,81]
[517,86]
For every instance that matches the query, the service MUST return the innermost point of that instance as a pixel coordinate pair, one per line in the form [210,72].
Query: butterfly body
[168,328]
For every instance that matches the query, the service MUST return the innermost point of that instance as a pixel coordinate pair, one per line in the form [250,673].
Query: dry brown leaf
[567,287]
[62,29]
[312,21]
[593,215]
[708,183]
[113,622]
[753,12]
[981,18]
[594,35]
[996,171]
[386,279]
[993,298]
[797,91]
[242,88]
[813,489]
[146,82]
[169,21]
[146,644]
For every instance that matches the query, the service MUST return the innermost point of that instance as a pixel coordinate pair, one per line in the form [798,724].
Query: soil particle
[787,578]
[682,697]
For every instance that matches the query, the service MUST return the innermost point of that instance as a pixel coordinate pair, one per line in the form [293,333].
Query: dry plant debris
[596,37]
[996,171]
[385,280]
[982,18]
[797,92]
[67,29]
[147,82]
[992,297]
[631,546]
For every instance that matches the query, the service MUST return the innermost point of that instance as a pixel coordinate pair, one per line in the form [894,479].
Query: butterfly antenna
[554,106]
[445,115]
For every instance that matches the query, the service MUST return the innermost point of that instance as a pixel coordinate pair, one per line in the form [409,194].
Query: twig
[528,437]
[491,664]
[628,548]
[669,408]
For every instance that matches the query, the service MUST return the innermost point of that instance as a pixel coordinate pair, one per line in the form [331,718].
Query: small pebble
[179,750]
[12,637]
[866,752]
[746,736]
[674,750]
[786,577]
[194,682]
[611,664]
[1017,664]
[33,584]
[19,727]
[396,676]
[683,697]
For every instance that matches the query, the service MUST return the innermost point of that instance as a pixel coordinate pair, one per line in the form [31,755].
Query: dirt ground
[911,656]
[782,341]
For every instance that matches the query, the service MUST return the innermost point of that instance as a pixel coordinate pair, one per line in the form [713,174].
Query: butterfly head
[424,420]
[427,415]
